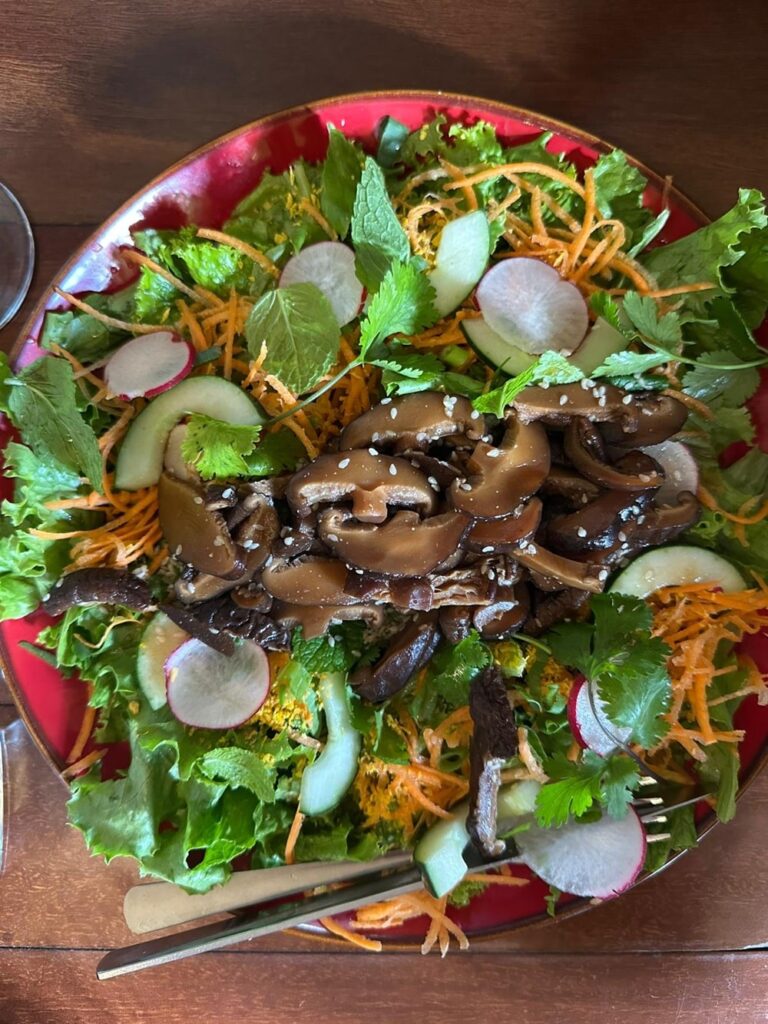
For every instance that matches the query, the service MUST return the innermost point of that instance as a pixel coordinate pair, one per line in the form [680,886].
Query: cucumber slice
[440,851]
[491,347]
[676,566]
[140,460]
[462,255]
[159,640]
[327,779]
[603,340]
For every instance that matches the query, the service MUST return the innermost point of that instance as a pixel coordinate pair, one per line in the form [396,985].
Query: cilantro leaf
[301,332]
[730,387]
[377,235]
[217,449]
[340,177]
[551,368]
[570,797]
[627,364]
[275,454]
[643,313]
[604,305]
[619,189]
[578,785]
[617,785]
[404,304]
[42,403]
[238,767]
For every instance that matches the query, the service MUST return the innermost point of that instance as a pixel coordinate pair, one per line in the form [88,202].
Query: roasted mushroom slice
[372,483]
[505,534]
[455,622]
[98,586]
[556,405]
[316,621]
[550,609]
[409,651]
[494,741]
[500,479]
[658,417]
[501,619]
[439,473]
[195,534]
[573,488]
[312,581]
[554,572]
[663,524]
[600,524]
[584,447]
[413,422]
[216,622]
[406,545]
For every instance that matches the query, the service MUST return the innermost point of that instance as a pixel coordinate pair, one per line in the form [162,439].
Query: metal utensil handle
[208,938]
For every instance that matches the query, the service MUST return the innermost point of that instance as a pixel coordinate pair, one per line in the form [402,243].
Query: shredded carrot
[289,855]
[83,735]
[189,321]
[707,499]
[83,764]
[196,294]
[332,925]
[310,209]
[681,289]
[109,321]
[237,243]
[488,879]
[467,191]
[508,170]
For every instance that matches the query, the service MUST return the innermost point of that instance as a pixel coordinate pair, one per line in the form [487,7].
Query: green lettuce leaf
[619,189]
[87,338]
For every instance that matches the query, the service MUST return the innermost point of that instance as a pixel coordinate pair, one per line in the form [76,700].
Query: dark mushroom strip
[407,653]
[413,422]
[658,417]
[455,623]
[316,621]
[216,622]
[663,524]
[500,479]
[505,534]
[584,447]
[597,526]
[471,585]
[501,619]
[195,534]
[550,609]
[98,586]
[405,545]
[188,619]
[569,485]
[556,405]
[551,571]
[439,473]
[312,581]
[411,593]
[371,482]
[253,595]
[493,743]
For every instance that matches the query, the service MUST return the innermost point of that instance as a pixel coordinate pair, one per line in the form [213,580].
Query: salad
[418,505]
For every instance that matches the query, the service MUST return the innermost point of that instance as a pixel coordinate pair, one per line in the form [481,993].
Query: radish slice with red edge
[680,470]
[530,306]
[148,365]
[591,727]
[209,690]
[330,266]
[598,858]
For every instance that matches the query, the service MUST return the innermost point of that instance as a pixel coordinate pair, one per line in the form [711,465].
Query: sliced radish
[532,307]
[591,727]
[330,266]
[680,470]
[599,858]
[209,690]
[677,566]
[461,258]
[158,642]
[148,365]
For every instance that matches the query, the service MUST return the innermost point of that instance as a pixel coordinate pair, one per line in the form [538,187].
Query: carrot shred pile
[695,621]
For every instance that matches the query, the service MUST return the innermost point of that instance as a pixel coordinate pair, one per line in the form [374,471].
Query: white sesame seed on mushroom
[344,463]
[581,532]
[393,469]
[488,548]
[393,413]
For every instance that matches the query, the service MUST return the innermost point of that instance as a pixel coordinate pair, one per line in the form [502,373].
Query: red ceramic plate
[202,189]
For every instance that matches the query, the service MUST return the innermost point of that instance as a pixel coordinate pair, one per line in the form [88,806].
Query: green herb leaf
[730,387]
[404,304]
[301,332]
[341,174]
[721,771]
[272,217]
[392,135]
[643,313]
[377,235]
[275,454]
[619,189]
[576,786]
[43,406]
[551,367]
[238,767]
[217,449]
[87,338]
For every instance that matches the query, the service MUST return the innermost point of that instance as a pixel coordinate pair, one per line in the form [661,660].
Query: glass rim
[23,219]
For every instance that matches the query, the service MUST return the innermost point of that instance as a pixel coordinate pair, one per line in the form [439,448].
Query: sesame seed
[645,477]
[288,541]
[433,483]
[465,486]
[177,552]
[585,384]
[393,413]
[359,572]
[215,631]
[487,549]
[621,535]
[331,641]
[474,415]
[602,575]
[627,400]
[372,451]
[393,470]
[531,549]
[491,574]
[386,401]
[228,492]
[218,542]
[544,385]
[602,401]
[344,463]
[581,532]
[493,453]
[375,438]
[589,382]
[332,538]
[523,544]
[198,500]
[640,520]
[563,399]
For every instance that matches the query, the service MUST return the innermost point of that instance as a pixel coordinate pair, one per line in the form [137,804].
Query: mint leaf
[340,177]
[333,652]
[241,768]
[551,367]
[301,332]
[275,454]
[377,235]
[42,403]
[217,449]
[404,304]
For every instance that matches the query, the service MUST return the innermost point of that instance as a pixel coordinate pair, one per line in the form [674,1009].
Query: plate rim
[476,103]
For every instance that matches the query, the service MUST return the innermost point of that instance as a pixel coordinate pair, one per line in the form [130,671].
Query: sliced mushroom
[661,525]
[550,571]
[407,653]
[411,593]
[597,526]
[195,534]
[371,482]
[455,623]
[219,620]
[471,585]
[253,595]
[505,534]
[316,621]
[412,422]
[500,479]
[658,417]
[405,545]
[439,473]
[173,461]
[98,586]
[548,610]
[501,619]
[567,484]
[557,404]
[584,447]
[493,743]
[308,581]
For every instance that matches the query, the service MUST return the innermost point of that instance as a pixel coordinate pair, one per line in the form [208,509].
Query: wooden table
[97,98]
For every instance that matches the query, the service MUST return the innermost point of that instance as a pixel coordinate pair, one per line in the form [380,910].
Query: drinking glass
[17,255]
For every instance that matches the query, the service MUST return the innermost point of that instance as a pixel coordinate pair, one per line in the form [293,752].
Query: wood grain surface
[97,98]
